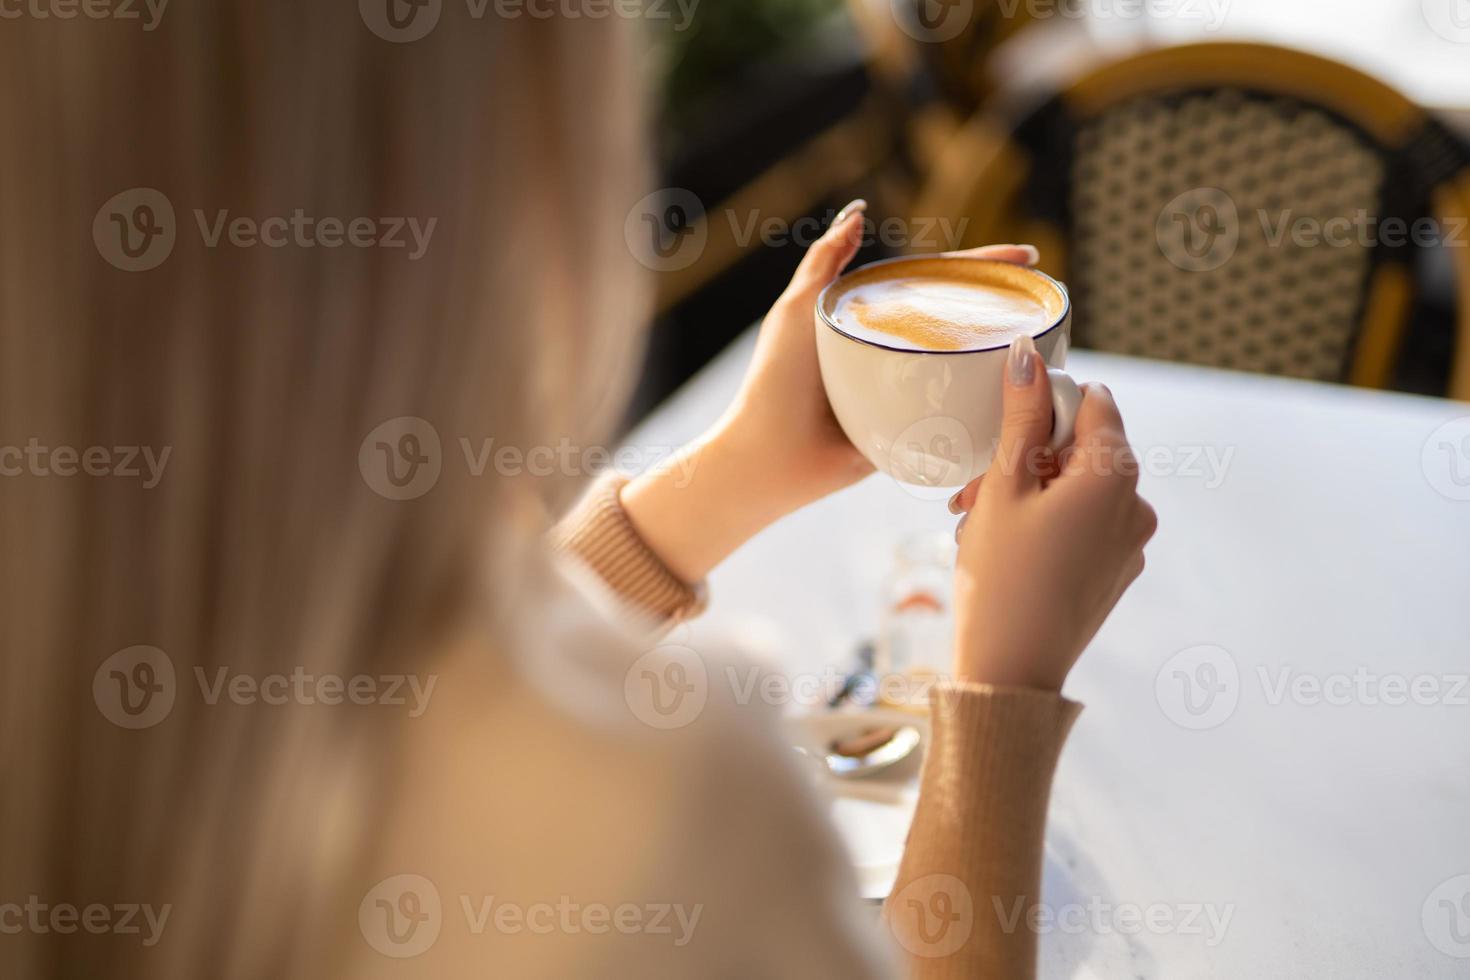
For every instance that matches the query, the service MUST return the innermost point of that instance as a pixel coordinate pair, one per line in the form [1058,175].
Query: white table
[1422,47]
[1322,829]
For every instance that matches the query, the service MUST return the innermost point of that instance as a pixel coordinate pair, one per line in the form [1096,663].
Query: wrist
[983,658]
[696,508]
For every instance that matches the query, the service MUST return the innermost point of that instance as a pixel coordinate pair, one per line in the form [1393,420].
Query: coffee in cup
[928,311]
[913,353]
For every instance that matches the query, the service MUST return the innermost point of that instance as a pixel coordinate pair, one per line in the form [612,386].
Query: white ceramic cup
[932,418]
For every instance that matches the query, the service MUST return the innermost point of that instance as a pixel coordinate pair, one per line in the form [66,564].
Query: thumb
[1026,422]
[830,254]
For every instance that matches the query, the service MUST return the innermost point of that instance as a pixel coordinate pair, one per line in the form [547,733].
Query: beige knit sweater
[974,851]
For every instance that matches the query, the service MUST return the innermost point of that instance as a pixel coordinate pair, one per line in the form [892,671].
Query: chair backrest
[1229,204]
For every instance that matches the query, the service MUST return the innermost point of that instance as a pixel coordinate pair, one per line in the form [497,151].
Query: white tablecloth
[1299,823]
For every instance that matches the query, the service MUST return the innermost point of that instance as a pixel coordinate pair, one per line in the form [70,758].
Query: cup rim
[830,322]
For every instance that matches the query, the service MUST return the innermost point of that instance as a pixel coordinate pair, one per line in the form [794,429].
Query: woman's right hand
[1047,546]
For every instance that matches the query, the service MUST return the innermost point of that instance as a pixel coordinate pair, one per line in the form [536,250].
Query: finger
[1135,569]
[1099,446]
[1147,521]
[960,527]
[1025,427]
[1015,254]
[964,498]
[830,254]
[1098,412]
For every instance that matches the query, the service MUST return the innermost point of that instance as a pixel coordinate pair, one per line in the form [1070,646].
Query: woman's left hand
[778,447]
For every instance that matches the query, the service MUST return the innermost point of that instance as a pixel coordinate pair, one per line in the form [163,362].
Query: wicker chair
[1179,192]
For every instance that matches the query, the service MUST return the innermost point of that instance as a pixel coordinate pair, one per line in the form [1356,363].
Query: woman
[521,821]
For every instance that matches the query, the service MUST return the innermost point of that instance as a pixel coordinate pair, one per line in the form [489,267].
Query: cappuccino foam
[937,313]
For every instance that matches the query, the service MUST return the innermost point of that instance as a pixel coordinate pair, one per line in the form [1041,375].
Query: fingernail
[954,502]
[852,208]
[1020,365]
[1033,256]
[959,528]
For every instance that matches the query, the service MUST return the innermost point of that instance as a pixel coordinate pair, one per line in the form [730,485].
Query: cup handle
[1066,397]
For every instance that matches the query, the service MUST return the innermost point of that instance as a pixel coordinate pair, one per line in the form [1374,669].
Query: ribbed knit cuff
[598,533]
[975,847]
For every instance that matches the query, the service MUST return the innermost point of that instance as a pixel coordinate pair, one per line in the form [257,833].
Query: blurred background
[1263,185]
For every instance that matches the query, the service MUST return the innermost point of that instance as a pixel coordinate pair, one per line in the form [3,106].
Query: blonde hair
[263,549]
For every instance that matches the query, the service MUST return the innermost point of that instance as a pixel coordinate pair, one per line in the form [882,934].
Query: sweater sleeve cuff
[598,534]
[979,829]
[992,743]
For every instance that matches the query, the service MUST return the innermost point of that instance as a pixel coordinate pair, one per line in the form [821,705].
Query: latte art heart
[928,312]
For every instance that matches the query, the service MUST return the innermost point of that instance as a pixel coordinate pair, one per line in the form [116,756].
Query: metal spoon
[847,760]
